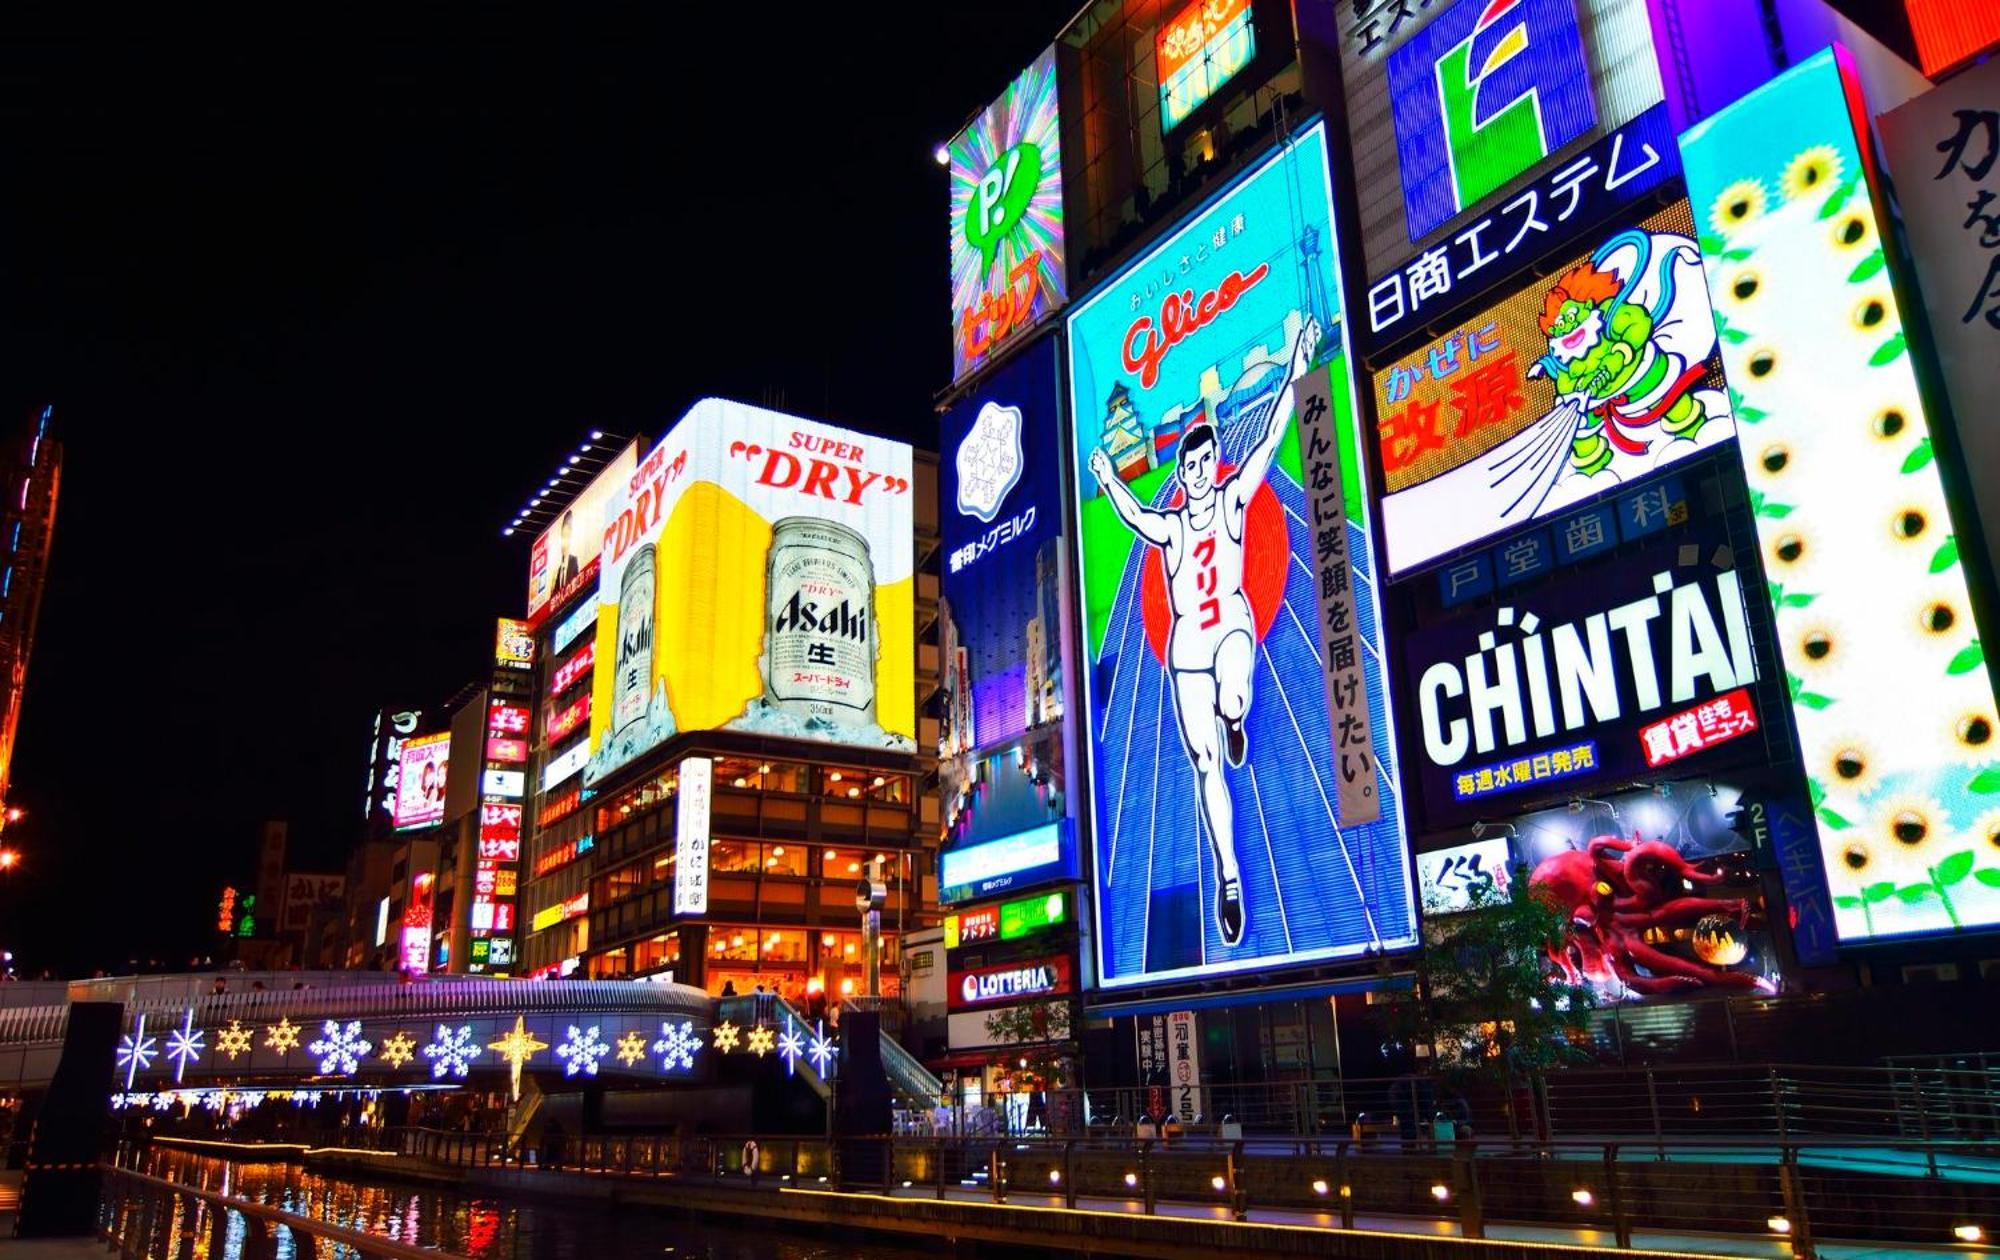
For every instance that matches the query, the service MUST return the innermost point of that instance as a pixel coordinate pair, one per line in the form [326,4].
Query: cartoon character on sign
[1629,340]
[1212,640]
[1631,903]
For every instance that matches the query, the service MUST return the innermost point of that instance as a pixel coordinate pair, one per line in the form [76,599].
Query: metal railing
[142,1217]
[1652,1194]
[913,1083]
[1779,1101]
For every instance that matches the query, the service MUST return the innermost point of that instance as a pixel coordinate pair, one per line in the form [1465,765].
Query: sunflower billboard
[757,575]
[1883,660]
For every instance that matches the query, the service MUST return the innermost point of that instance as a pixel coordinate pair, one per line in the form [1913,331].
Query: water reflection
[484,1226]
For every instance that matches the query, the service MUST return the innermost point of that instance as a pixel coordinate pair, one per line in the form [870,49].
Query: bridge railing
[141,1216]
[1780,1101]
[1677,1195]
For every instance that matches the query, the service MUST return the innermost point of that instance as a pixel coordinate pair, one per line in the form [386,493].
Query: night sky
[318,308]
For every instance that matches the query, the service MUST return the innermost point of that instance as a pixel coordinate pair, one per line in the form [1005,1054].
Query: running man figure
[1212,643]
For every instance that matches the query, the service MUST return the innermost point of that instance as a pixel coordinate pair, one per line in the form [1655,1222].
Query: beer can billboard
[757,575]
[560,559]
[1221,843]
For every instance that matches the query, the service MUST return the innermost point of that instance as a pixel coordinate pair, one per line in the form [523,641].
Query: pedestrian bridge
[339,1030]
[336,1030]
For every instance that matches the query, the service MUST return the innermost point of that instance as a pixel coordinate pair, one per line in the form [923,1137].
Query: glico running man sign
[1219,842]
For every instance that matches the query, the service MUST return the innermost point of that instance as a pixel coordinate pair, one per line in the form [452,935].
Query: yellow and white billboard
[756,576]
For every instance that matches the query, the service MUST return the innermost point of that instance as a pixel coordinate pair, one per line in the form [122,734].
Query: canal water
[493,1228]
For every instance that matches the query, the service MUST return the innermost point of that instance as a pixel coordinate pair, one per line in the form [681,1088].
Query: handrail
[307,1233]
[909,1078]
[1929,1196]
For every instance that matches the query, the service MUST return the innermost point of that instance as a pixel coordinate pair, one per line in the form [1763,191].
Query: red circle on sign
[1267,549]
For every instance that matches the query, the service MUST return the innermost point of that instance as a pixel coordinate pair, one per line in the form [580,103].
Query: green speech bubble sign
[1000,197]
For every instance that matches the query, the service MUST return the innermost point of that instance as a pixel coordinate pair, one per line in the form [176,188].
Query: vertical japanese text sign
[1346,682]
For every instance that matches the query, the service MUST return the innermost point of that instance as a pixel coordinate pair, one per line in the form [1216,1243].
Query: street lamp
[8,858]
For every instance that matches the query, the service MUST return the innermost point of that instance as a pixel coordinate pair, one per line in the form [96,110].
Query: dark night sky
[317,306]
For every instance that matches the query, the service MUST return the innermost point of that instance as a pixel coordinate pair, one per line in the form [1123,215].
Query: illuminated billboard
[421,781]
[1042,855]
[1452,107]
[1006,218]
[1943,150]
[385,762]
[1480,94]
[757,576]
[1887,675]
[1220,840]
[1598,374]
[514,644]
[1001,618]
[1660,888]
[562,554]
[1601,676]
[1198,50]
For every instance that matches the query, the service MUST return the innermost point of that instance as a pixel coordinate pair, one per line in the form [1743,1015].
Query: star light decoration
[282,1036]
[632,1048]
[727,1035]
[136,1051]
[517,1047]
[233,1041]
[184,1045]
[451,1052]
[677,1044]
[822,1050]
[581,1050]
[790,1046]
[761,1039]
[341,1048]
[399,1049]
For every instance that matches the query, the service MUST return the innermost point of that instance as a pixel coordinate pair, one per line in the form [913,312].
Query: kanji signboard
[1561,392]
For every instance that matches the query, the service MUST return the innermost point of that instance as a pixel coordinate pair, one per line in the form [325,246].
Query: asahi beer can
[632,677]
[819,633]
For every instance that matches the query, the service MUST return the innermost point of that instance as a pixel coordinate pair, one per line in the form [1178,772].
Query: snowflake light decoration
[184,1045]
[136,1051]
[790,1046]
[341,1048]
[282,1036]
[451,1052]
[761,1039]
[517,1047]
[677,1044]
[632,1048]
[399,1049]
[822,1050]
[233,1041]
[581,1050]
[726,1036]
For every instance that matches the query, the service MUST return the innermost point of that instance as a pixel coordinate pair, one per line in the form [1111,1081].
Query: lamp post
[869,898]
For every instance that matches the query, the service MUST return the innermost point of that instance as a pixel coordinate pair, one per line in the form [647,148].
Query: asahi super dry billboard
[756,576]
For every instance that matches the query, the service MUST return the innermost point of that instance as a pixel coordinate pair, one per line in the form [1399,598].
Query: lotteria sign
[1559,686]
[1008,982]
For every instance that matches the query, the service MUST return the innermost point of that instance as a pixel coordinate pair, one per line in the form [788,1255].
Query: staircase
[912,1084]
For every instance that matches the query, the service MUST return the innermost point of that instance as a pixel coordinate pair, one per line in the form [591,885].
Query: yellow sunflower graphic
[1909,832]
[1741,204]
[1847,763]
[1811,171]
[1986,834]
